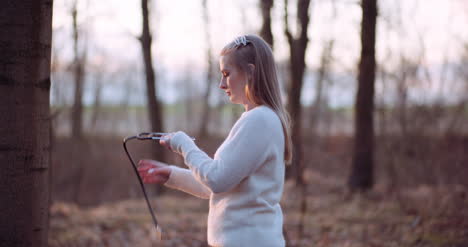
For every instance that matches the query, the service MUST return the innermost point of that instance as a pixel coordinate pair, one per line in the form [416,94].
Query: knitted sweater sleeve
[245,149]
[182,179]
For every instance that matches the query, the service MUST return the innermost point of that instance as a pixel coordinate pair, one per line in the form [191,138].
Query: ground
[332,219]
[408,213]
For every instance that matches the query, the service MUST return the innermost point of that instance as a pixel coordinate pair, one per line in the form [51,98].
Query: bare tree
[407,73]
[97,104]
[202,131]
[361,177]
[320,101]
[79,73]
[265,32]
[25,38]
[154,106]
[297,50]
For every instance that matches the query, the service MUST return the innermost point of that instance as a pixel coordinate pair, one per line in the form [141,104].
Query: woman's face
[233,80]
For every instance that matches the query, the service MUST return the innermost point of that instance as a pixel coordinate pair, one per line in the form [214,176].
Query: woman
[244,181]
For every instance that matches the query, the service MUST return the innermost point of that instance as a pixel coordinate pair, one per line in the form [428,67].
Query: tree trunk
[25,38]
[297,48]
[154,108]
[320,102]
[361,176]
[265,32]
[202,131]
[78,71]
[96,112]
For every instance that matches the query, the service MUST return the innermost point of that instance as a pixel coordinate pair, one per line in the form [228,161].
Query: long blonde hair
[264,89]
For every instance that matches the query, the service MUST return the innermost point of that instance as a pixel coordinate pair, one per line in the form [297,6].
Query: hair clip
[241,40]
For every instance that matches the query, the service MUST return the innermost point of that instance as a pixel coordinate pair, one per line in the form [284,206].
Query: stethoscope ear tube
[155,221]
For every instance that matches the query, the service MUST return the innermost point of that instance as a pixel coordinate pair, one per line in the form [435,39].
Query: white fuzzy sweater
[244,181]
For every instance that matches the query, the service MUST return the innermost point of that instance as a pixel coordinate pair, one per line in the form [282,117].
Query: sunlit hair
[264,88]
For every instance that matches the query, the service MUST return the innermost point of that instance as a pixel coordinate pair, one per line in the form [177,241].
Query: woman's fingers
[156,175]
[152,171]
[162,171]
[144,168]
[165,141]
[144,165]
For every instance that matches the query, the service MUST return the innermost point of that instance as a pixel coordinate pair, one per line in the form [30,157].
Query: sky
[179,42]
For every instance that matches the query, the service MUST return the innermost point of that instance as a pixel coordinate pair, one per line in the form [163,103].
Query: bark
[361,177]
[202,131]
[25,45]
[154,106]
[265,32]
[78,72]
[297,49]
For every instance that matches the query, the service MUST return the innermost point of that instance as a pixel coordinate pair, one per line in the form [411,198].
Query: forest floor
[411,214]
[332,219]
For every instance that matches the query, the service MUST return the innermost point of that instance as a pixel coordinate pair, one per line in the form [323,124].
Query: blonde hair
[264,89]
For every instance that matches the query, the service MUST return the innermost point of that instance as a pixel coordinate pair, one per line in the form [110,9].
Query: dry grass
[332,219]
[411,212]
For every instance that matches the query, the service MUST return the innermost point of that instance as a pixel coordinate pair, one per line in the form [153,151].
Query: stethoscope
[146,136]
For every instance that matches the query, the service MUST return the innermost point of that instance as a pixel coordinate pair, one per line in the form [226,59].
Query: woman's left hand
[154,172]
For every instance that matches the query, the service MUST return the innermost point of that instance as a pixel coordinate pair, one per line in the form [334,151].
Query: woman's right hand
[166,140]
[153,172]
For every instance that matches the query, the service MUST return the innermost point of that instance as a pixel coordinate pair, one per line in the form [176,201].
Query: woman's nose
[222,84]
